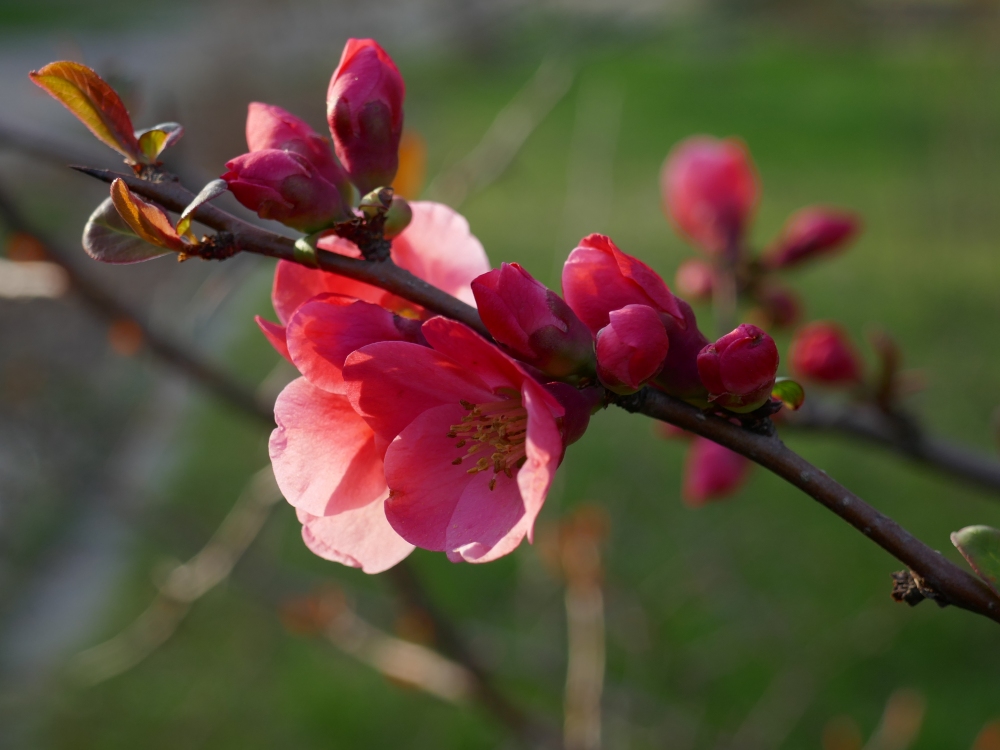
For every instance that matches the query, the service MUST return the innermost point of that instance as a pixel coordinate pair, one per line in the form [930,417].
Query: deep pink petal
[392,382]
[426,485]
[322,452]
[361,538]
[325,330]
[438,247]
[276,336]
[544,449]
[468,348]
[486,524]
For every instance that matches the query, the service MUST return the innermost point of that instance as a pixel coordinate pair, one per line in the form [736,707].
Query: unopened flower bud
[270,127]
[397,218]
[679,376]
[631,348]
[285,187]
[709,190]
[695,279]
[364,107]
[712,472]
[780,307]
[811,232]
[822,352]
[533,323]
[598,278]
[739,369]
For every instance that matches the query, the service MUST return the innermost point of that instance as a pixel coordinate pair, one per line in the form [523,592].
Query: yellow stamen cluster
[501,425]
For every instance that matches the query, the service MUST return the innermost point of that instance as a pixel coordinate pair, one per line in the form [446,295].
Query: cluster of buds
[710,190]
[291,175]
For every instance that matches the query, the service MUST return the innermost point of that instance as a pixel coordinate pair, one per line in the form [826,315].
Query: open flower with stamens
[471,440]
[437,247]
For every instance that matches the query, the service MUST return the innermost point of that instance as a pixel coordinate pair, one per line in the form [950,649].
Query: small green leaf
[789,392]
[305,250]
[154,140]
[980,546]
[211,191]
[107,238]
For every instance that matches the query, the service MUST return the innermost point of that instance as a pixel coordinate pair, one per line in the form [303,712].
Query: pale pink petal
[486,524]
[295,284]
[276,336]
[322,452]
[323,331]
[544,449]
[392,382]
[426,485]
[361,538]
[438,247]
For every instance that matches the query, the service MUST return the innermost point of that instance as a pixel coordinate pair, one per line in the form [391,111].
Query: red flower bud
[738,370]
[709,189]
[823,352]
[631,348]
[781,307]
[679,376]
[598,278]
[695,279]
[270,127]
[286,187]
[712,472]
[533,323]
[811,232]
[364,107]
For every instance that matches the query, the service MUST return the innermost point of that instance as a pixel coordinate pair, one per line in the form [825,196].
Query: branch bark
[955,586]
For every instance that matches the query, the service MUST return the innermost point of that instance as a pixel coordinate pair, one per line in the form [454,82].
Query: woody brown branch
[955,585]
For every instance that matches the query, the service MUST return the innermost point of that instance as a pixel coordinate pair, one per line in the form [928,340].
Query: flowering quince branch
[389,392]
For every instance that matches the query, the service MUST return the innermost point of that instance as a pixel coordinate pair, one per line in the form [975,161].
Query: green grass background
[705,607]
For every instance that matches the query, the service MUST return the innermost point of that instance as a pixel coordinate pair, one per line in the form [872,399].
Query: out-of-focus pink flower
[710,189]
[285,187]
[598,278]
[739,369]
[364,107]
[533,323]
[823,352]
[679,376]
[471,441]
[631,348]
[695,279]
[437,247]
[811,232]
[271,127]
[780,306]
[712,472]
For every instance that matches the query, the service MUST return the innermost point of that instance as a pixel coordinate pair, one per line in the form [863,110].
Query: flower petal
[544,448]
[426,485]
[390,383]
[361,538]
[322,452]
[276,335]
[438,247]
[325,330]
[486,524]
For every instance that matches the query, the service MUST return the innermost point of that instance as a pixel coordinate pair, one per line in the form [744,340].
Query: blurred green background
[752,622]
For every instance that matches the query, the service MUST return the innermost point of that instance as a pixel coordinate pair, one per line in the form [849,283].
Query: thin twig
[903,437]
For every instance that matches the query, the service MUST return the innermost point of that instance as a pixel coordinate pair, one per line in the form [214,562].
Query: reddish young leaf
[107,238]
[149,222]
[94,102]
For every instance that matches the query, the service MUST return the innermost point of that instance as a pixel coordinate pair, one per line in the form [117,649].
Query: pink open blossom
[472,441]
[437,247]
[326,459]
